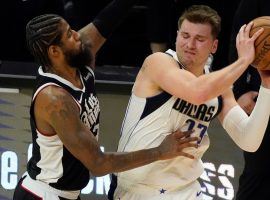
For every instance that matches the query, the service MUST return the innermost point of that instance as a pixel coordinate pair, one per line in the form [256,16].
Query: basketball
[262,43]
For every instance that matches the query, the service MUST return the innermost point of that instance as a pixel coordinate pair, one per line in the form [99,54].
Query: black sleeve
[249,81]
[112,15]
[246,11]
[241,85]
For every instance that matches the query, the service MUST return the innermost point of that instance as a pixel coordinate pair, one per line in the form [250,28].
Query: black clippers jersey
[51,162]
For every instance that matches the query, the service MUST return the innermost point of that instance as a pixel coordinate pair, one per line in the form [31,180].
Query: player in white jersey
[175,92]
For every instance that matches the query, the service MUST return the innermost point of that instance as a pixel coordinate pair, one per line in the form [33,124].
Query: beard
[81,59]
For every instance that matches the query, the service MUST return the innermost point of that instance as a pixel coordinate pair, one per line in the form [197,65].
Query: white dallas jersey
[148,121]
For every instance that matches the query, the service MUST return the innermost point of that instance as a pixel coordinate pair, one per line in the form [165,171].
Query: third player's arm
[105,23]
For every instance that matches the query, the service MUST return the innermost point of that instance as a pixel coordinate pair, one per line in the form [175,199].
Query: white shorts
[190,192]
[46,192]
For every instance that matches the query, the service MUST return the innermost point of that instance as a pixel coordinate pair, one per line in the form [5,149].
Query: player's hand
[245,43]
[265,77]
[174,144]
[247,101]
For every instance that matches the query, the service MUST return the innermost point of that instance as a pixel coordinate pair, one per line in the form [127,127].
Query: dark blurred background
[149,21]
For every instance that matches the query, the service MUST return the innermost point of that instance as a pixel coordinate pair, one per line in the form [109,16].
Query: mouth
[190,52]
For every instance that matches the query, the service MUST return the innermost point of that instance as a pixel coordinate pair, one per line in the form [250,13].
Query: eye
[185,35]
[201,39]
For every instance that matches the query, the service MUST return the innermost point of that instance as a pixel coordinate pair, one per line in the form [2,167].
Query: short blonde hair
[202,14]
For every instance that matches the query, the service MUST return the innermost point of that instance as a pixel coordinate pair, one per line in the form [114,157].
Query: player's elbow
[199,97]
[98,173]
[201,92]
[249,145]
[252,144]
[250,148]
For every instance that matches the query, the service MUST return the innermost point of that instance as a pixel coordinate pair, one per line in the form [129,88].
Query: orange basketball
[262,43]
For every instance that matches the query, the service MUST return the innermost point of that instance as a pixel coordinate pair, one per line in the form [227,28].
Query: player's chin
[187,61]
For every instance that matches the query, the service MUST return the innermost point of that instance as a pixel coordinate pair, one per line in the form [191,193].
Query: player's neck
[68,73]
[196,70]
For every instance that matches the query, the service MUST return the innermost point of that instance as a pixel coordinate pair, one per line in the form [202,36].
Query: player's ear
[214,46]
[53,51]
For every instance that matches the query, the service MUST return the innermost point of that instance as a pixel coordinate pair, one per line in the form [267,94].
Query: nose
[76,35]
[191,43]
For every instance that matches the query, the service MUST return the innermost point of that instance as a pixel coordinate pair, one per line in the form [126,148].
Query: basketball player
[65,111]
[175,90]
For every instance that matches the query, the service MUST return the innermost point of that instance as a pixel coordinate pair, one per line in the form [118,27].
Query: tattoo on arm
[62,110]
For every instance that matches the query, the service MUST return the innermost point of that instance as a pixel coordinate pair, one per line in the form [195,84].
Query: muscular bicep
[166,73]
[62,113]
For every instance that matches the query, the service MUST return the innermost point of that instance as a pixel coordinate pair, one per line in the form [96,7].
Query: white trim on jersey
[135,110]
[207,66]
[66,82]
[91,71]
[54,84]
[45,191]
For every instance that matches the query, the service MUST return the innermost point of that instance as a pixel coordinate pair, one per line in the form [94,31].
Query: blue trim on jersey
[181,66]
[153,103]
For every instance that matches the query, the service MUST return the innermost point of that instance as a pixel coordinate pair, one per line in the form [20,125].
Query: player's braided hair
[41,32]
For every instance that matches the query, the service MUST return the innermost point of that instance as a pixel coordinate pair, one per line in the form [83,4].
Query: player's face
[194,43]
[76,53]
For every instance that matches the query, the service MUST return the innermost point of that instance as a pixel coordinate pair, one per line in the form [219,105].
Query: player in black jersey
[64,112]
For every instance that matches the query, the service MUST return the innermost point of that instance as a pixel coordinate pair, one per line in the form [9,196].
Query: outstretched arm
[105,23]
[57,108]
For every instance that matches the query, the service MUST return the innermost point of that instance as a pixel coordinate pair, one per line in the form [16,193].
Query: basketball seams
[262,39]
[262,43]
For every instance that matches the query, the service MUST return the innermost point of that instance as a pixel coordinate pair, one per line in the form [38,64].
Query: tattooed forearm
[118,162]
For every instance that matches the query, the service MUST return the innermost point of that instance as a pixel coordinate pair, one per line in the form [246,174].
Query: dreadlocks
[41,32]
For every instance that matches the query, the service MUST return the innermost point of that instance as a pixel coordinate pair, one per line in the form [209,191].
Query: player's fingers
[237,39]
[240,34]
[188,140]
[257,34]
[247,28]
[187,155]
[181,134]
[186,145]
[241,31]
[254,94]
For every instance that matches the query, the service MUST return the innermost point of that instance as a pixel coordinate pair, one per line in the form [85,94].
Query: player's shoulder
[52,94]
[159,59]
[158,56]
